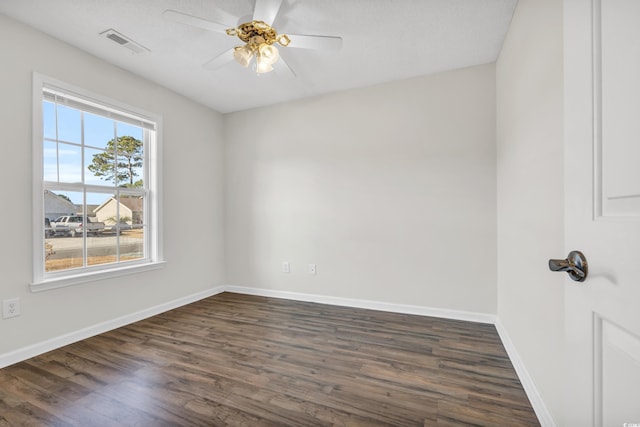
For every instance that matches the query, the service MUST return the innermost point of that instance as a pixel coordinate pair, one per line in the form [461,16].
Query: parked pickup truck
[74,224]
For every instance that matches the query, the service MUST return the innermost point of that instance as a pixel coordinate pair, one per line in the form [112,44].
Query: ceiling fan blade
[283,70]
[223,59]
[194,21]
[305,41]
[266,10]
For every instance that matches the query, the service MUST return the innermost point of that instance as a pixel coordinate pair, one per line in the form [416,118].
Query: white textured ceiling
[383,40]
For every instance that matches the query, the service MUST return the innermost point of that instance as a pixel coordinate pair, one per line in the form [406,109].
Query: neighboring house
[90,209]
[129,210]
[55,206]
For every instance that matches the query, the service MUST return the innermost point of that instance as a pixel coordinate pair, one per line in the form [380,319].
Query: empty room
[309,213]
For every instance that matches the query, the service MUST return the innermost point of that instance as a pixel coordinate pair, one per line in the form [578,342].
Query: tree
[123,169]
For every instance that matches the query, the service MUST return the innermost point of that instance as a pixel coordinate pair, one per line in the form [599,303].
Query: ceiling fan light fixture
[263,67]
[259,38]
[266,56]
[243,55]
[268,53]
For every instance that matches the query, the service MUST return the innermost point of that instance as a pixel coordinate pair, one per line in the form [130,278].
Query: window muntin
[95,167]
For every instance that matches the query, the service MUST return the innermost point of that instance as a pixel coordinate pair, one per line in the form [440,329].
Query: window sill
[70,280]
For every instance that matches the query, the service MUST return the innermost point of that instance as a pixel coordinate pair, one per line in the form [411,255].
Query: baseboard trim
[468,316]
[66,339]
[541,410]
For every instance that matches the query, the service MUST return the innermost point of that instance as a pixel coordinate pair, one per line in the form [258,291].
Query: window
[96,187]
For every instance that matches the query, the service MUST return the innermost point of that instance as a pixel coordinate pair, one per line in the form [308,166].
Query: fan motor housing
[249,30]
[258,32]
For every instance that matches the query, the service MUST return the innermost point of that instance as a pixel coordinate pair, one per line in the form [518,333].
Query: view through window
[95,184]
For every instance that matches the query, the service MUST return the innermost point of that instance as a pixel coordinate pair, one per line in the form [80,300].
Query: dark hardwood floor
[251,361]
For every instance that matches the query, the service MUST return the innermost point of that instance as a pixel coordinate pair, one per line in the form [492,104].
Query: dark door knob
[575,265]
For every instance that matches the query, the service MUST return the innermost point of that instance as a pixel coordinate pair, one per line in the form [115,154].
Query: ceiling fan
[259,38]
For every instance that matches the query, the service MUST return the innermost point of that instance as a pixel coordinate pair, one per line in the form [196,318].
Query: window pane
[49,119]
[132,243]
[130,159]
[106,211]
[130,171]
[135,209]
[69,124]
[99,167]
[48,236]
[101,246]
[101,250]
[62,251]
[58,203]
[50,161]
[118,216]
[65,253]
[94,200]
[125,129]
[132,227]
[70,163]
[98,130]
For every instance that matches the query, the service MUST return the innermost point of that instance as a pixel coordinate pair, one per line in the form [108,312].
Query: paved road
[71,247]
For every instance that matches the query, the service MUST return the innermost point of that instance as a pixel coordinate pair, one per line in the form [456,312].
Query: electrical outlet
[10,308]
[312,269]
[285,267]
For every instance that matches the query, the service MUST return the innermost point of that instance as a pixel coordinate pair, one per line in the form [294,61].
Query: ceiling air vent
[124,41]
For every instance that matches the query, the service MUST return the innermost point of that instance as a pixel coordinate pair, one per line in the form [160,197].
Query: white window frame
[153,257]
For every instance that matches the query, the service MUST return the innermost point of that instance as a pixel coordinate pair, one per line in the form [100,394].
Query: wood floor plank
[239,360]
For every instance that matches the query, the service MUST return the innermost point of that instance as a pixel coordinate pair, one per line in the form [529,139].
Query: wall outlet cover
[10,308]
[285,267]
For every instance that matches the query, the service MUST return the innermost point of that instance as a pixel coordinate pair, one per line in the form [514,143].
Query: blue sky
[64,157]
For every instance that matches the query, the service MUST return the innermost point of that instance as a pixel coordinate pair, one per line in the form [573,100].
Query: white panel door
[602,193]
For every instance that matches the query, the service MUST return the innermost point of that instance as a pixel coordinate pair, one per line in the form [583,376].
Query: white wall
[390,190]
[530,192]
[193,177]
